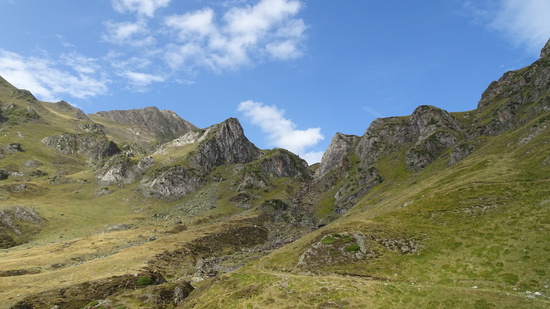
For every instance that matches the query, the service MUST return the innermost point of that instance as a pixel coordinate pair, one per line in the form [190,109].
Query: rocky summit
[142,209]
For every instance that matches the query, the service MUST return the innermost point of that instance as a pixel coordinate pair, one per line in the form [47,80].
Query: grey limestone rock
[224,143]
[171,183]
[336,156]
[121,170]
[94,147]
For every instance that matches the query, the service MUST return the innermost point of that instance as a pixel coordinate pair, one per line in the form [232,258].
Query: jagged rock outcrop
[545,51]
[122,170]
[426,134]
[274,164]
[350,161]
[95,147]
[4,174]
[430,133]
[429,129]
[11,149]
[283,163]
[223,143]
[337,154]
[515,98]
[17,223]
[91,127]
[171,183]
[13,114]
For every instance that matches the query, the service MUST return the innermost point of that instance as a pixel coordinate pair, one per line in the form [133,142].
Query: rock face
[93,146]
[121,170]
[283,163]
[430,133]
[10,149]
[429,129]
[350,161]
[274,164]
[16,224]
[224,143]
[515,98]
[336,156]
[171,183]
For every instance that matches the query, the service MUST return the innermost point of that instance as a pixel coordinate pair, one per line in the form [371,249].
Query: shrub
[348,239]
[353,248]
[144,280]
[327,240]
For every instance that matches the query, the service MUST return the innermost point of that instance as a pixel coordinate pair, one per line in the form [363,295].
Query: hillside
[438,210]
[140,208]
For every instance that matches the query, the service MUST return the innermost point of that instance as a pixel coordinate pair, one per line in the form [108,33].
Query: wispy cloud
[153,47]
[523,22]
[128,33]
[527,22]
[140,7]
[50,80]
[282,132]
[244,34]
[142,80]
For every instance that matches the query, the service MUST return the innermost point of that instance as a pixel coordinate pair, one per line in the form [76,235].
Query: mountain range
[142,209]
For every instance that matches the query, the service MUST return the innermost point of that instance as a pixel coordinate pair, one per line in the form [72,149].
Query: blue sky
[294,72]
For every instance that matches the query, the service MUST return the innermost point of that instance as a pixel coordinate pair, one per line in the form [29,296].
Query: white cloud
[141,7]
[142,80]
[48,80]
[282,132]
[128,33]
[190,25]
[236,36]
[241,36]
[283,50]
[527,22]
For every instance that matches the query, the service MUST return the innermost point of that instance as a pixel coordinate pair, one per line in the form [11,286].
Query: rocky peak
[224,143]
[336,154]
[426,119]
[522,92]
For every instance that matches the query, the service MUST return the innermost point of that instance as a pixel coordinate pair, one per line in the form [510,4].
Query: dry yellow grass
[65,263]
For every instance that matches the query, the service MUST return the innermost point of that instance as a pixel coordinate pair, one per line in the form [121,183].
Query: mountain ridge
[433,209]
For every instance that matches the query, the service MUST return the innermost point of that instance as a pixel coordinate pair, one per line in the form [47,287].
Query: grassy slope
[482,223]
[72,247]
[481,228]
[74,216]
